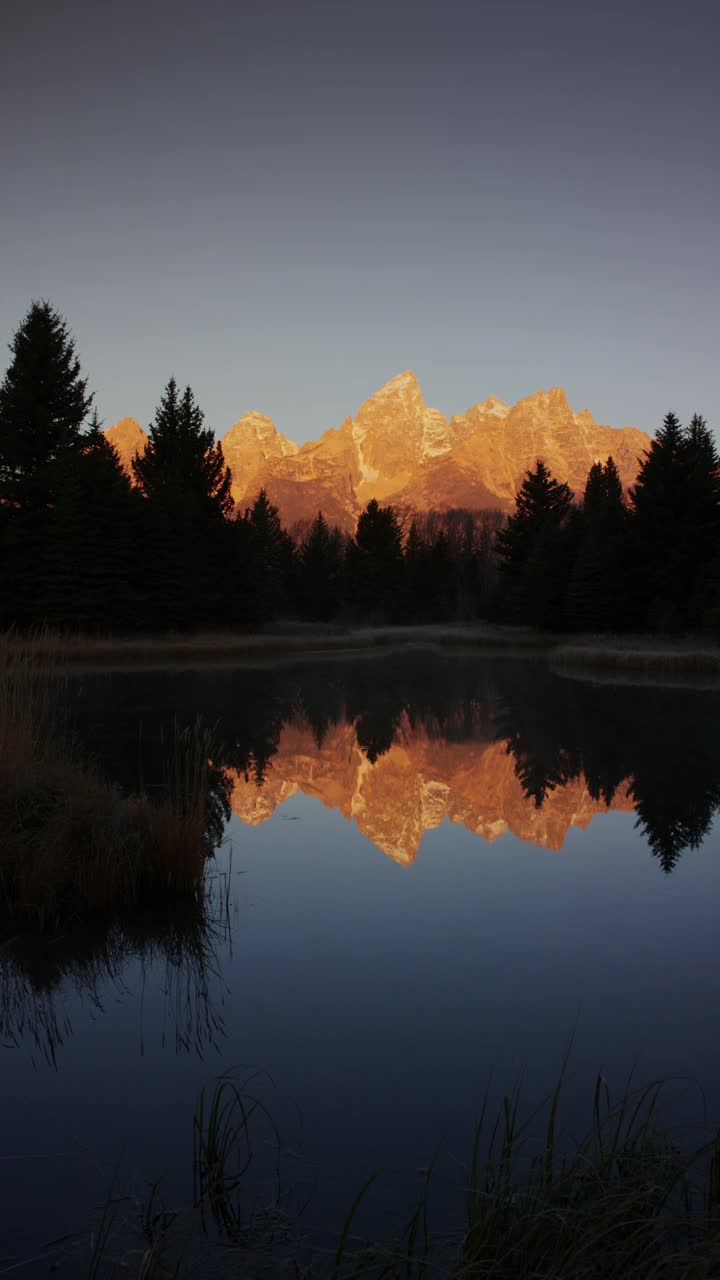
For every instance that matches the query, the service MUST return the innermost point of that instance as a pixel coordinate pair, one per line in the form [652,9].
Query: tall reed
[623,1203]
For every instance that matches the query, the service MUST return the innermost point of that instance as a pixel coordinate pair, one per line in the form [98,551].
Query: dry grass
[71,842]
[623,1203]
[268,645]
[641,657]
[646,654]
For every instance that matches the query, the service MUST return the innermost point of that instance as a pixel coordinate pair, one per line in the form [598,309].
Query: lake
[434,873]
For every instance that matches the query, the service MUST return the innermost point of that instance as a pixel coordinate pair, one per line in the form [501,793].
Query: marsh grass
[72,843]
[224,1133]
[623,1203]
[268,645]
[648,655]
[642,658]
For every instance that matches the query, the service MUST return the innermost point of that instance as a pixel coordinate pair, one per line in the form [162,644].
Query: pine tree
[675,522]
[89,571]
[595,597]
[702,543]
[186,483]
[374,560]
[702,481]
[43,405]
[182,467]
[441,584]
[414,562]
[320,570]
[532,551]
[268,566]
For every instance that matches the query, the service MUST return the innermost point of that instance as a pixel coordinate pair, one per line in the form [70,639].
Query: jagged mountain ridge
[399,450]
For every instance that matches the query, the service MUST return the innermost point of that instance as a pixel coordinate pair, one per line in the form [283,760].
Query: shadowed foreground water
[433,869]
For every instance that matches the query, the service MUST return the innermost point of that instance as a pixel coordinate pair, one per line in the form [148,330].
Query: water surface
[434,871]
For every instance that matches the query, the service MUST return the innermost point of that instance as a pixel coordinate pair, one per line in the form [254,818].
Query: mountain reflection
[398,744]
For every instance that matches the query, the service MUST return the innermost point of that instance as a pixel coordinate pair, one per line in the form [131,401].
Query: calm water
[434,872]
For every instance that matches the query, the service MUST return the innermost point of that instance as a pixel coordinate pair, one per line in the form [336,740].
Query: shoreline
[634,655]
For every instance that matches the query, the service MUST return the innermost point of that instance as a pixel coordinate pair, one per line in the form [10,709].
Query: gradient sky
[286,202]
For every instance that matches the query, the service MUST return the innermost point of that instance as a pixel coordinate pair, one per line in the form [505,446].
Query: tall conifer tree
[533,552]
[320,570]
[268,555]
[89,572]
[375,559]
[675,518]
[414,561]
[184,478]
[596,591]
[182,467]
[43,404]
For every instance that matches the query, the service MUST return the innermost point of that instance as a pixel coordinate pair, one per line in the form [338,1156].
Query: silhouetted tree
[89,572]
[414,561]
[268,568]
[657,501]
[533,552]
[183,469]
[703,525]
[184,478]
[596,595]
[374,561]
[320,570]
[675,510]
[43,405]
[441,580]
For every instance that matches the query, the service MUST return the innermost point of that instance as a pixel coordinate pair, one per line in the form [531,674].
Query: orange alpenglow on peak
[248,446]
[128,438]
[399,450]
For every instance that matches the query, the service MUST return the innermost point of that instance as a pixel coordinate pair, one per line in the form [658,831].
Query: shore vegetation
[74,843]
[623,1202]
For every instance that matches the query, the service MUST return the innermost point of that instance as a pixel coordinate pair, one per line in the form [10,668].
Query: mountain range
[398,450]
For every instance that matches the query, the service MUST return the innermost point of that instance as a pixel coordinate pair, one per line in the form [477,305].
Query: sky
[286,202]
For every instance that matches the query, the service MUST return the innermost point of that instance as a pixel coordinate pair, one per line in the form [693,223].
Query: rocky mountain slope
[398,450]
[128,438]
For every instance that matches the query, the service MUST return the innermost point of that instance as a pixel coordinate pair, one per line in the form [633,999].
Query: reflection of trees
[177,945]
[675,807]
[662,740]
[217,805]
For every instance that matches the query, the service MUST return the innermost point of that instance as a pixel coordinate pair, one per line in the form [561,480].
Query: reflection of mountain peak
[413,787]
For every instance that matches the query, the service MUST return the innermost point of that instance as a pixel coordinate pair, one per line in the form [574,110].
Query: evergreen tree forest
[85,546]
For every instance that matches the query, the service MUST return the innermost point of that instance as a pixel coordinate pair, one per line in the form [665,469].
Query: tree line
[84,545]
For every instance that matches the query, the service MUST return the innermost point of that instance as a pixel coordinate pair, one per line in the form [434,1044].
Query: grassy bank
[266,645]
[640,653]
[625,1202]
[72,843]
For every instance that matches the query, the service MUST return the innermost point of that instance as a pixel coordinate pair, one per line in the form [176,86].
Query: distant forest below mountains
[87,544]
